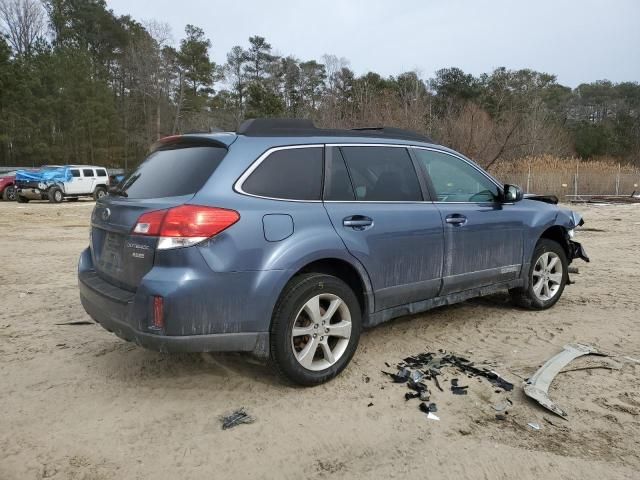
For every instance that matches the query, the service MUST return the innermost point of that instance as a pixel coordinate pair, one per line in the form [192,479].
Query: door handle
[359,222]
[456,219]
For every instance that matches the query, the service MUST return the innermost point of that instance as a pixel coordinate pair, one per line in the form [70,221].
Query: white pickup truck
[57,183]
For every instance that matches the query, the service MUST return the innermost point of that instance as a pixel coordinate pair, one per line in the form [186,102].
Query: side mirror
[512,193]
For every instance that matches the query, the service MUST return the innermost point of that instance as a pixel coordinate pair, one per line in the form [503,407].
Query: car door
[375,202]
[89,181]
[74,185]
[483,237]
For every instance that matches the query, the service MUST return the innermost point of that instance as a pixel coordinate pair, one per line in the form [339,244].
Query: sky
[577,40]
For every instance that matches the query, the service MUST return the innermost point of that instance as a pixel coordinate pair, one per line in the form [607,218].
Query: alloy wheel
[321,332]
[547,276]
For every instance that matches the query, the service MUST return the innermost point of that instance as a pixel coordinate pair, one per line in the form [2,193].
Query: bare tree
[23,22]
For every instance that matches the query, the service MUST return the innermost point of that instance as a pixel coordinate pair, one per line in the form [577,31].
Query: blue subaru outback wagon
[287,240]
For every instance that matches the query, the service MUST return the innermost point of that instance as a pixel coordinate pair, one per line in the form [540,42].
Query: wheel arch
[353,274]
[557,233]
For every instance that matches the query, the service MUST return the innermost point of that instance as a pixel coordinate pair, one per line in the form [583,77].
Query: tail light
[185,225]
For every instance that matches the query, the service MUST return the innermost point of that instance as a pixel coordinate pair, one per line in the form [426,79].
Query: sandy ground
[79,403]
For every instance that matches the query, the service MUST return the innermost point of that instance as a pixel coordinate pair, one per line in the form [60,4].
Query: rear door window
[172,172]
[87,172]
[337,185]
[382,174]
[289,174]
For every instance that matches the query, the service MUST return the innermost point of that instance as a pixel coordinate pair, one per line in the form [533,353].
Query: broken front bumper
[576,250]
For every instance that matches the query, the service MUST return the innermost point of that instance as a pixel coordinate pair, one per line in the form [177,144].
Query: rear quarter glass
[173,172]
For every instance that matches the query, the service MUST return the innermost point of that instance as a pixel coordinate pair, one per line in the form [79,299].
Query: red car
[8,186]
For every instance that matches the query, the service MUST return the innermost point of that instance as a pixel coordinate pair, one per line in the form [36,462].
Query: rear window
[101,172]
[173,172]
[290,174]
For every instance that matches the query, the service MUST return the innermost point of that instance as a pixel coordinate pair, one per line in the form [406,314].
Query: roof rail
[292,127]
[270,126]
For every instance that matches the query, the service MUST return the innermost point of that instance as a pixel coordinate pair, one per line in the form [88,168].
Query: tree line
[80,84]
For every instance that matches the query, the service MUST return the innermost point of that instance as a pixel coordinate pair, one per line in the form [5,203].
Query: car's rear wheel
[548,275]
[9,193]
[55,195]
[99,193]
[315,329]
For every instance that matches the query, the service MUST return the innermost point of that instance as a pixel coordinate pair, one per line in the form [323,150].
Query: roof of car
[287,127]
[83,166]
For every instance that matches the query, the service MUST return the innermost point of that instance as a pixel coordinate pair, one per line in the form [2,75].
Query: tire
[296,300]
[9,193]
[536,296]
[22,199]
[55,195]
[99,193]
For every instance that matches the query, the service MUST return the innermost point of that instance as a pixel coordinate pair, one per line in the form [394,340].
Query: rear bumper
[195,321]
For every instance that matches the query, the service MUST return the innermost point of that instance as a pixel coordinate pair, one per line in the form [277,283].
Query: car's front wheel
[55,195]
[315,329]
[548,275]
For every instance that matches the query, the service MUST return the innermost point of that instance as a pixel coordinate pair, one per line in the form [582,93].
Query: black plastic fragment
[459,390]
[435,380]
[427,408]
[417,386]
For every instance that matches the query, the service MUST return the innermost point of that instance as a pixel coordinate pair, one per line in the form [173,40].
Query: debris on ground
[613,199]
[432,416]
[415,370]
[370,404]
[537,387]
[236,418]
[457,389]
[535,426]
[428,408]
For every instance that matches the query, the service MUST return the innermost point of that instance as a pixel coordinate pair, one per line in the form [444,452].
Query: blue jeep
[287,240]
